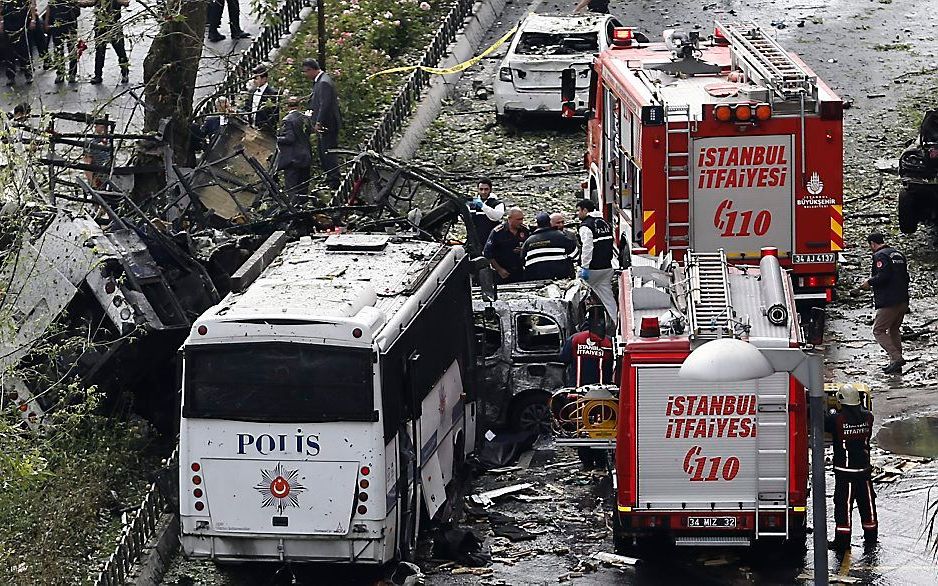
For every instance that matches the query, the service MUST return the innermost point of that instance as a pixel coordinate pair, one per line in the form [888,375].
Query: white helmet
[848,395]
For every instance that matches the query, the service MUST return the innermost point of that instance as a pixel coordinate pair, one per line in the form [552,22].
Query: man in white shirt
[262,106]
[596,255]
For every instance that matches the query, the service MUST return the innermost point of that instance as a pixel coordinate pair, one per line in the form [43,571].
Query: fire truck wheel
[908,211]
[530,412]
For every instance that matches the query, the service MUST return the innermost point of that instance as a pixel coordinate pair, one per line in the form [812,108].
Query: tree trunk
[169,74]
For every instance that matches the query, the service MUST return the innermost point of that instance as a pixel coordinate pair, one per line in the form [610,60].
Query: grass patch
[63,491]
[364,36]
[893,47]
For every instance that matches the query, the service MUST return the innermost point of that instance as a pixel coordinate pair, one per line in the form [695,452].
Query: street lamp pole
[732,360]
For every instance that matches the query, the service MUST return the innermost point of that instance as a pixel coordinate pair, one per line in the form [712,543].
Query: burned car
[521,334]
[544,45]
[918,169]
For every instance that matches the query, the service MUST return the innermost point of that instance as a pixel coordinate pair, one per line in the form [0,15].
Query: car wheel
[531,412]
[907,211]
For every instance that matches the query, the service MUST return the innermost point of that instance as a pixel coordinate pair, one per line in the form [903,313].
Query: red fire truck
[706,463]
[730,144]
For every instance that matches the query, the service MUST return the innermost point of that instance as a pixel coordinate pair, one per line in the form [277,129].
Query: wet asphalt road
[863,49]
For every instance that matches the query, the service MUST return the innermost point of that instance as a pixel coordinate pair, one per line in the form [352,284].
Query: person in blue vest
[546,252]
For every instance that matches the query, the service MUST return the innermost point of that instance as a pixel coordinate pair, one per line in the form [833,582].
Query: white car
[528,78]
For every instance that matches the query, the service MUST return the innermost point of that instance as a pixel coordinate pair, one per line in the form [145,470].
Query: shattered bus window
[557,44]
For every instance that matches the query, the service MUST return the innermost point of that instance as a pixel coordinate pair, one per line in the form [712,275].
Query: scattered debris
[463,546]
[485,499]
[613,559]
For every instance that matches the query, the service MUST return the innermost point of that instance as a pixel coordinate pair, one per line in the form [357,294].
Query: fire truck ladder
[760,57]
[709,307]
[772,444]
[678,123]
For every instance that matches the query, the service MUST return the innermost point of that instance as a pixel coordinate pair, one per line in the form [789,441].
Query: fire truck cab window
[538,333]
[488,330]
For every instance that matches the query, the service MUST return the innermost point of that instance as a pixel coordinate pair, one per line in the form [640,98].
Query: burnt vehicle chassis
[521,333]
[918,170]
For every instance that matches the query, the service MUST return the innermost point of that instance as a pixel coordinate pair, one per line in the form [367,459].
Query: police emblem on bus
[279,488]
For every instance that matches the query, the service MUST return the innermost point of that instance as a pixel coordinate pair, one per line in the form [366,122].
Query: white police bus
[306,390]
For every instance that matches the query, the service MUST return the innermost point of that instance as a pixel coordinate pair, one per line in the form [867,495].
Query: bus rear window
[279,383]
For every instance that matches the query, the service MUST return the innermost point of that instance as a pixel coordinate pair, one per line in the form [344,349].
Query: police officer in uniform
[486,210]
[546,252]
[596,250]
[890,283]
[851,429]
[503,248]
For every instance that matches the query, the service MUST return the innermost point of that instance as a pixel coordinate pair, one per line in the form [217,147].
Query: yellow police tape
[455,68]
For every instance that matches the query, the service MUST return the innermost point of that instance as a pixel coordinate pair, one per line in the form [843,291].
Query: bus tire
[907,211]
[530,412]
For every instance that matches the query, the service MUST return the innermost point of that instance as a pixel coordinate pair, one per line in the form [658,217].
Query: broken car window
[538,333]
[557,43]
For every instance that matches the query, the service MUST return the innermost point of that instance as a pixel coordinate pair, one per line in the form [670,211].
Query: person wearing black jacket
[263,104]
[851,429]
[546,252]
[293,151]
[15,17]
[61,26]
[326,118]
[889,280]
[108,29]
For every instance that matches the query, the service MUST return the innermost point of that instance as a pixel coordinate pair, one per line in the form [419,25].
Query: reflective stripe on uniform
[550,253]
[601,238]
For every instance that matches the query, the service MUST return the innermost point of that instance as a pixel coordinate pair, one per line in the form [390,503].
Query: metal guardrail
[407,95]
[136,532]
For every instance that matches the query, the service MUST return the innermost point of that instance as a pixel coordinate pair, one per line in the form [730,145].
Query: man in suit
[294,155]
[325,117]
[262,105]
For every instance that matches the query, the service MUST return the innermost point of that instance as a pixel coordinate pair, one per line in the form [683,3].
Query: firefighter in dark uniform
[889,279]
[589,359]
[596,252]
[851,429]
[546,252]
[486,210]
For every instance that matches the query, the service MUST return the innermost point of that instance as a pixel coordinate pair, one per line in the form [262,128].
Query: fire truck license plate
[813,258]
[724,522]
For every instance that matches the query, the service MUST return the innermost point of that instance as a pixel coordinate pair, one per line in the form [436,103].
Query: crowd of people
[294,131]
[546,251]
[50,30]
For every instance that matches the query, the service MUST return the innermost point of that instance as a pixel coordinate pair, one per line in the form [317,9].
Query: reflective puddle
[912,437]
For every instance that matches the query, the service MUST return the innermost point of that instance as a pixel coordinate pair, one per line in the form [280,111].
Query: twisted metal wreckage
[123,276]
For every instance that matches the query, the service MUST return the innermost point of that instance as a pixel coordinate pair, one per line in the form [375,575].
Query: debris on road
[613,559]
[485,499]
